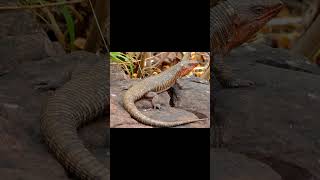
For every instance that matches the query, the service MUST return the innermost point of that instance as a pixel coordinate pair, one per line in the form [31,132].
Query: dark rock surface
[276,121]
[230,166]
[193,96]
[17,22]
[25,48]
[191,101]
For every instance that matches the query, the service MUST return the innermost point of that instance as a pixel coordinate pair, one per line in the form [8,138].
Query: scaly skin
[76,103]
[233,22]
[157,83]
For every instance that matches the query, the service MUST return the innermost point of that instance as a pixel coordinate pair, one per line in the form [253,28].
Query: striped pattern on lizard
[158,83]
[78,102]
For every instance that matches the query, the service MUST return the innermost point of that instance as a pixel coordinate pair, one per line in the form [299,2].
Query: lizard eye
[258,9]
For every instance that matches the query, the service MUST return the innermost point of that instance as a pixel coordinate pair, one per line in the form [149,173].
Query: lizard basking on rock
[79,101]
[157,83]
[233,22]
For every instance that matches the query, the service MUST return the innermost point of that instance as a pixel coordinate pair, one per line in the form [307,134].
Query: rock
[17,22]
[279,117]
[193,96]
[25,48]
[225,165]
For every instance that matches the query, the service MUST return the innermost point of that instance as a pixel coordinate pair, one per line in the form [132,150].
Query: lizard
[78,102]
[157,83]
[232,23]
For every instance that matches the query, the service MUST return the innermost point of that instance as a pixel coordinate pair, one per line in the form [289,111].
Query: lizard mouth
[187,70]
[272,12]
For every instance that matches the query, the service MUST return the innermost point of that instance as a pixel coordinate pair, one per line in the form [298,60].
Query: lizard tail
[77,102]
[136,114]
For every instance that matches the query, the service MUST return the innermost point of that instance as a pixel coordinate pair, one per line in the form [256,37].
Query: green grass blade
[70,23]
[119,57]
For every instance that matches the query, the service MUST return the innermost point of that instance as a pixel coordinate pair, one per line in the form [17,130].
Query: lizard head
[251,16]
[187,66]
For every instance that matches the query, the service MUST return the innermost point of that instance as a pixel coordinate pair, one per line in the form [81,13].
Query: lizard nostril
[281,3]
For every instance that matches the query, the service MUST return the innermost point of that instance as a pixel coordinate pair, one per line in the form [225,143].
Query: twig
[40,16]
[147,59]
[76,13]
[99,27]
[55,27]
[40,5]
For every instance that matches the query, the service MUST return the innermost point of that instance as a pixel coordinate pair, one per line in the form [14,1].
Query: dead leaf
[80,42]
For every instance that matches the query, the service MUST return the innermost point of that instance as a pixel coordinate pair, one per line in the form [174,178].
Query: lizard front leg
[225,77]
[159,100]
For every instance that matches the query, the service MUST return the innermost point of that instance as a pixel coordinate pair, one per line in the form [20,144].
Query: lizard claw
[157,106]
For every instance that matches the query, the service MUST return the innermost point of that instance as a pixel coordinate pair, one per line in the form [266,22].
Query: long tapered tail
[136,114]
[77,102]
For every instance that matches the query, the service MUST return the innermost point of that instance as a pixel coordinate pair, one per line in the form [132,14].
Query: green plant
[64,10]
[121,58]
[70,23]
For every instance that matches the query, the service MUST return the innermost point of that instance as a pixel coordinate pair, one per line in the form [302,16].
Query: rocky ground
[275,122]
[32,68]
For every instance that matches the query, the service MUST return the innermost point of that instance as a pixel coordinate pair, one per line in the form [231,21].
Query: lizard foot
[154,96]
[157,106]
[159,101]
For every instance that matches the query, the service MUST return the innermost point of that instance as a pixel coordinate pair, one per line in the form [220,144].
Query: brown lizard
[158,83]
[233,22]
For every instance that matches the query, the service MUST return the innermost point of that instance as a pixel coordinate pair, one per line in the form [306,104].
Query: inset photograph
[159,89]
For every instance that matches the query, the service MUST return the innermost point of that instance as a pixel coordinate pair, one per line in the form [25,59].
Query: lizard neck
[221,26]
[234,22]
[169,77]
